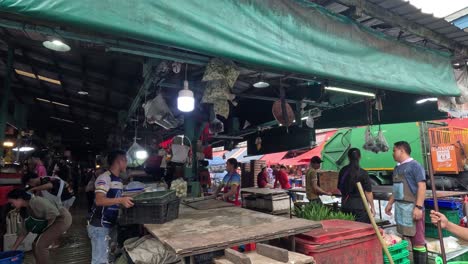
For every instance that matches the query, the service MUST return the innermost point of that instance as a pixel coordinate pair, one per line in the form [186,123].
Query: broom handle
[371,217]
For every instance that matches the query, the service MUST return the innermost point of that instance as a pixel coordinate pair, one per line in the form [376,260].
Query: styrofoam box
[26,245]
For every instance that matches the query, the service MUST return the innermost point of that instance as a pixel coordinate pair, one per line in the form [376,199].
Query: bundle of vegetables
[318,212]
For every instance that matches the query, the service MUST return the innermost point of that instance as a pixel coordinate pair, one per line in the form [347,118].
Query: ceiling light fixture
[86,128]
[60,104]
[40,77]
[51,102]
[342,90]
[186,100]
[57,45]
[422,101]
[261,83]
[42,100]
[24,73]
[24,149]
[83,92]
[47,79]
[62,120]
[8,144]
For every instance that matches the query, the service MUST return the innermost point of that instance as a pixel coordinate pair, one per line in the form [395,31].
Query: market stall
[227,72]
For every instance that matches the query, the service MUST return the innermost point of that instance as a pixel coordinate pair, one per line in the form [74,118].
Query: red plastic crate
[341,242]
[4,190]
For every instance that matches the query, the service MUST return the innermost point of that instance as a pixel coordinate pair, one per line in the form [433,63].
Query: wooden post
[436,208]
[6,96]
[376,228]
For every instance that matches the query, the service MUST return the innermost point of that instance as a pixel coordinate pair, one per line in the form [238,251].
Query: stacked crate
[451,208]
[399,253]
[246,176]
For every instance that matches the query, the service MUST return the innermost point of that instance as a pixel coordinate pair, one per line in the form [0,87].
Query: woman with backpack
[351,201]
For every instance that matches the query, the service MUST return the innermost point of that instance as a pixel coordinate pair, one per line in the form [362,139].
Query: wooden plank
[279,254]
[202,231]
[208,204]
[294,258]
[236,257]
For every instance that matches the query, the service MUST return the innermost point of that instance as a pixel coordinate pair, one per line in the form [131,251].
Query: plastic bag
[216,127]
[450,243]
[391,238]
[180,187]
[369,143]
[132,161]
[157,112]
[381,142]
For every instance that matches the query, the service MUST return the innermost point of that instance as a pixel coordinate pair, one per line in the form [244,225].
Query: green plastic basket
[452,215]
[155,197]
[399,258]
[431,231]
[398,248]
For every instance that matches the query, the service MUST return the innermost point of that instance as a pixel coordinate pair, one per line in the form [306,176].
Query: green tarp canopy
[283,35]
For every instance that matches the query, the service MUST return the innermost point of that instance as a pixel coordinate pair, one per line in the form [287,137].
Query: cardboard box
[328,180]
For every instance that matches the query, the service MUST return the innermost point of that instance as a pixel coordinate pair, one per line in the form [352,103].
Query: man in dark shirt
[52,188]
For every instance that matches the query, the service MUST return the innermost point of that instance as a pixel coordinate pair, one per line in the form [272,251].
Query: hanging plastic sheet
[284,35]
[457,106]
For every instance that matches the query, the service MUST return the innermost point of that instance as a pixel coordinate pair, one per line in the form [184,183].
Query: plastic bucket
[11,257]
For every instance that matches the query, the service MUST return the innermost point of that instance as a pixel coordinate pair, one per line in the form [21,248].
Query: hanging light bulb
[186,100]
[141,154]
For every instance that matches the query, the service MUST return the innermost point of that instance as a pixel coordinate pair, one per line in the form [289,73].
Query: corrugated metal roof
[411,13]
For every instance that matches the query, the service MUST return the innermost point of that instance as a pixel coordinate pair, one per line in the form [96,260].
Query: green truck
[380,165]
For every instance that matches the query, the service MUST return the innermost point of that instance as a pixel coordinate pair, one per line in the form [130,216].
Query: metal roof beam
[391,18]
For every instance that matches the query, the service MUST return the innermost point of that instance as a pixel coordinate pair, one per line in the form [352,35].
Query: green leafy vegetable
[318,212]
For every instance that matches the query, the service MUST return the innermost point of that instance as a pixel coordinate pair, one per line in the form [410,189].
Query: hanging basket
[278,113]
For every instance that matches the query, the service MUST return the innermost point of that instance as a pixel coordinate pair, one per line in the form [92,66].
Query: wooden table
[263,191]
[202,231]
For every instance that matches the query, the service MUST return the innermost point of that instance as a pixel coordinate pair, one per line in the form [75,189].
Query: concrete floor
[75,247]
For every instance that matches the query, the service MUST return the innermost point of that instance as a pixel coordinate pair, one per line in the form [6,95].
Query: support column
[6,97]
[189,132]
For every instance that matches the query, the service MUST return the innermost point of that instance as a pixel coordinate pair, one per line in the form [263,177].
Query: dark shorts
[360,215]
[419,239]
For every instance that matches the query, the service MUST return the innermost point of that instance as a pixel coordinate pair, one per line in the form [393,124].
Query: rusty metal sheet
[202,231]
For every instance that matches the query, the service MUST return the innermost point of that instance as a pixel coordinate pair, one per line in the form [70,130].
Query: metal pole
[6,97]
[436,208]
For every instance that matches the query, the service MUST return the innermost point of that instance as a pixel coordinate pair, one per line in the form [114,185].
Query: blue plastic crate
[446,204]
[11,257]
